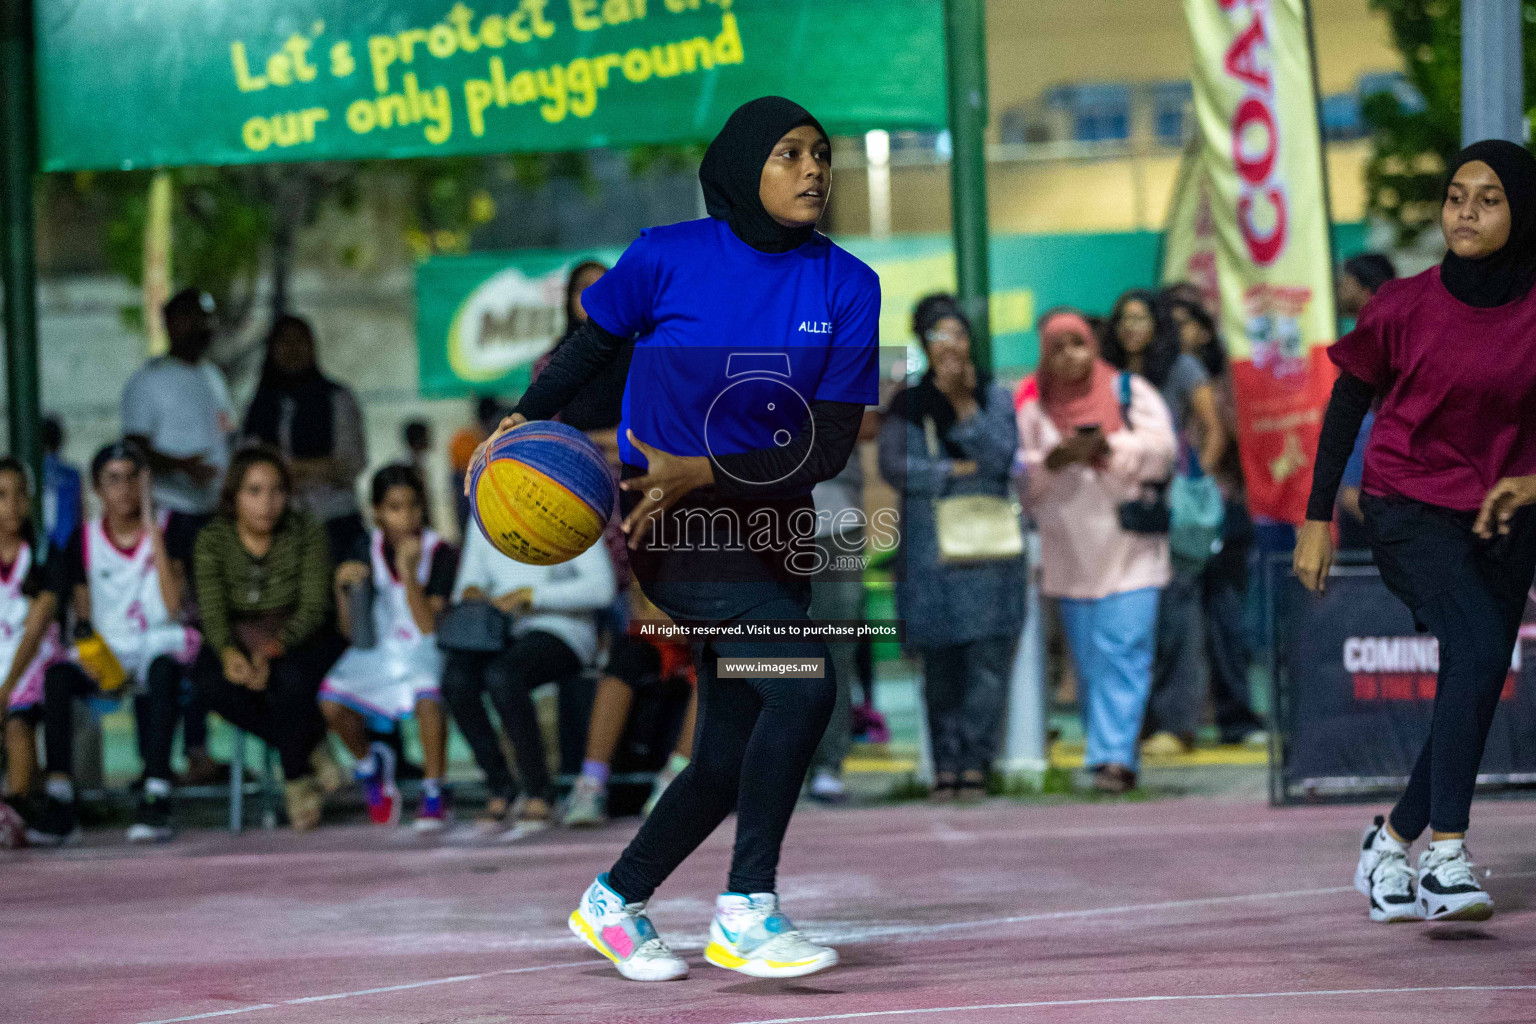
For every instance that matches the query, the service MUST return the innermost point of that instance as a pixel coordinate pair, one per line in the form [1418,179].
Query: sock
[732,902]
[1452,847]
[157,788]
[60,789]
[728,904]
[677,763]
[367,765]
[431,788]
[1385,839]
[597,771]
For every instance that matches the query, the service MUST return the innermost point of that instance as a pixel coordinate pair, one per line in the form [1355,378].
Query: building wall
[367,340]
[1034,45]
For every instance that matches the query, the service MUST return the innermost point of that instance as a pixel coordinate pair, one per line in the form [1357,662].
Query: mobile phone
[1084,429]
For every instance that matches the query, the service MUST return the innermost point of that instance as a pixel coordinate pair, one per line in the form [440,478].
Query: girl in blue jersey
[755,355]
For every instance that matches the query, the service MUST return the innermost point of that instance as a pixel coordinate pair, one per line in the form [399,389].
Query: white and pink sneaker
[621,932]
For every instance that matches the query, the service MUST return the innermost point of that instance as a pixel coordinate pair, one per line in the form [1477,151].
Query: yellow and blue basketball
[542,494]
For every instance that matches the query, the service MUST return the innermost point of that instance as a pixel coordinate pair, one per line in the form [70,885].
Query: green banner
[482,320]
[136,83]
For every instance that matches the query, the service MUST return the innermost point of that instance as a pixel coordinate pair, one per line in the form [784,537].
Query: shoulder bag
[476,626]
[974,527]
[1148,513]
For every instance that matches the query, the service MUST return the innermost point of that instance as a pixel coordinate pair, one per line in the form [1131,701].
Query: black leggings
[1470,594]
[155,711]
[753,743]
[530,661]
[286,715]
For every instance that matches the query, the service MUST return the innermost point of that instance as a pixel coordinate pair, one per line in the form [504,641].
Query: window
[1097,113]
[1171,101]
[1341,117]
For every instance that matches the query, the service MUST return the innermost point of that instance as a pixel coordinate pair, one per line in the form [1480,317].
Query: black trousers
[509,678]
[286,715]
[753,743]
[1470,594]
[966,690]
[155,712]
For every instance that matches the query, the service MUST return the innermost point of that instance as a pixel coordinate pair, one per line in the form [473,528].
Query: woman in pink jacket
[1089,441]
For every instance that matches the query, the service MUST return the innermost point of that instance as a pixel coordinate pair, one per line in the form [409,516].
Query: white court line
[865,934]
[1042,1004]
[370,991]
[920,932]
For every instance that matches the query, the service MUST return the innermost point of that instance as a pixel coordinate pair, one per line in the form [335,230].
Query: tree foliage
[1411,148]
[233,225]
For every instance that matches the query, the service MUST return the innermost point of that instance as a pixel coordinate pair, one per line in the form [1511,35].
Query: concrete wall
[367,340]
[1033,45]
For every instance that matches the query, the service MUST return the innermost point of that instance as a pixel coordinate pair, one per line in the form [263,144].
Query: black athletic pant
[1470,594]
[155,712]
[510,677]
[754,741]
[286,715]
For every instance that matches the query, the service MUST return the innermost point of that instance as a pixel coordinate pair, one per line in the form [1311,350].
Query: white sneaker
[1384,876]
[827,788]
[664,778]
[588,807]
[621,932]
[1448,889]
[749,935]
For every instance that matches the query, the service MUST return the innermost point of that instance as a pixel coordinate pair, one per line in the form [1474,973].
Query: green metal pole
[965,34]
[18,164]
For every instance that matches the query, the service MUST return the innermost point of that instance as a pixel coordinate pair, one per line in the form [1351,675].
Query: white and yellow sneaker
[621,932]
[749,935]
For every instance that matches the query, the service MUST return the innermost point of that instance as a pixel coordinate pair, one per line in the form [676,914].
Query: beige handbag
[974,527]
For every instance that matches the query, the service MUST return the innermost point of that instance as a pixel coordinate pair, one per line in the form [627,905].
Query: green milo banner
[482,320]
[142,83]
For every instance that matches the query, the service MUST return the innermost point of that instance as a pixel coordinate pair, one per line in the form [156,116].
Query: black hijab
[1506,275]
[924,400]
[732,171]
[305,399]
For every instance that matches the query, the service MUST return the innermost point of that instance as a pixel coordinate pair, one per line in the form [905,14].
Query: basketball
[542,494]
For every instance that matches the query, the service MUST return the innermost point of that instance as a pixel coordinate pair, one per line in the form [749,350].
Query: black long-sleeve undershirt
[1347,406]
[574,363]
[818,452]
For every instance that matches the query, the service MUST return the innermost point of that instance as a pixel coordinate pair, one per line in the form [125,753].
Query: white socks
[1447,847]
[157,787]
[60,789]
[1385,841]
[732,904]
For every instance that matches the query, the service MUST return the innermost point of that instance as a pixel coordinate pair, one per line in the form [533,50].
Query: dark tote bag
[475,626]
[1149,511]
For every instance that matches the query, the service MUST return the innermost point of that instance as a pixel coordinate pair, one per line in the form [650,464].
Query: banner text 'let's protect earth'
[134,83]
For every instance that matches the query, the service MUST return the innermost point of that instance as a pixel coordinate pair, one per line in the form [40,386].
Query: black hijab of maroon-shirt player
[1506,275]
[732,171]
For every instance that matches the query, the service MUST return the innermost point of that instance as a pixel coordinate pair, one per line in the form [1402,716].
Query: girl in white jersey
[411,570]
[29,631]
[118,577]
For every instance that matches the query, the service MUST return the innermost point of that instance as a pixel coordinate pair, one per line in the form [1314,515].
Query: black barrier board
[1357,687]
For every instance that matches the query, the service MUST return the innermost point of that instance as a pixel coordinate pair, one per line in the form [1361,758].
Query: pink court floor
[1188,912]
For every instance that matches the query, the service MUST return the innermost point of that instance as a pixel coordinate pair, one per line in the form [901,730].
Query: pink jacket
[1084,553]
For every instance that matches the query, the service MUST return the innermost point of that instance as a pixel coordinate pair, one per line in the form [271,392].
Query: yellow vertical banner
[157,261]
[1256,108]
[1189,237]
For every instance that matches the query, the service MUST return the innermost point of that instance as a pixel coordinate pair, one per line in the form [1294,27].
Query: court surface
[1180,911]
